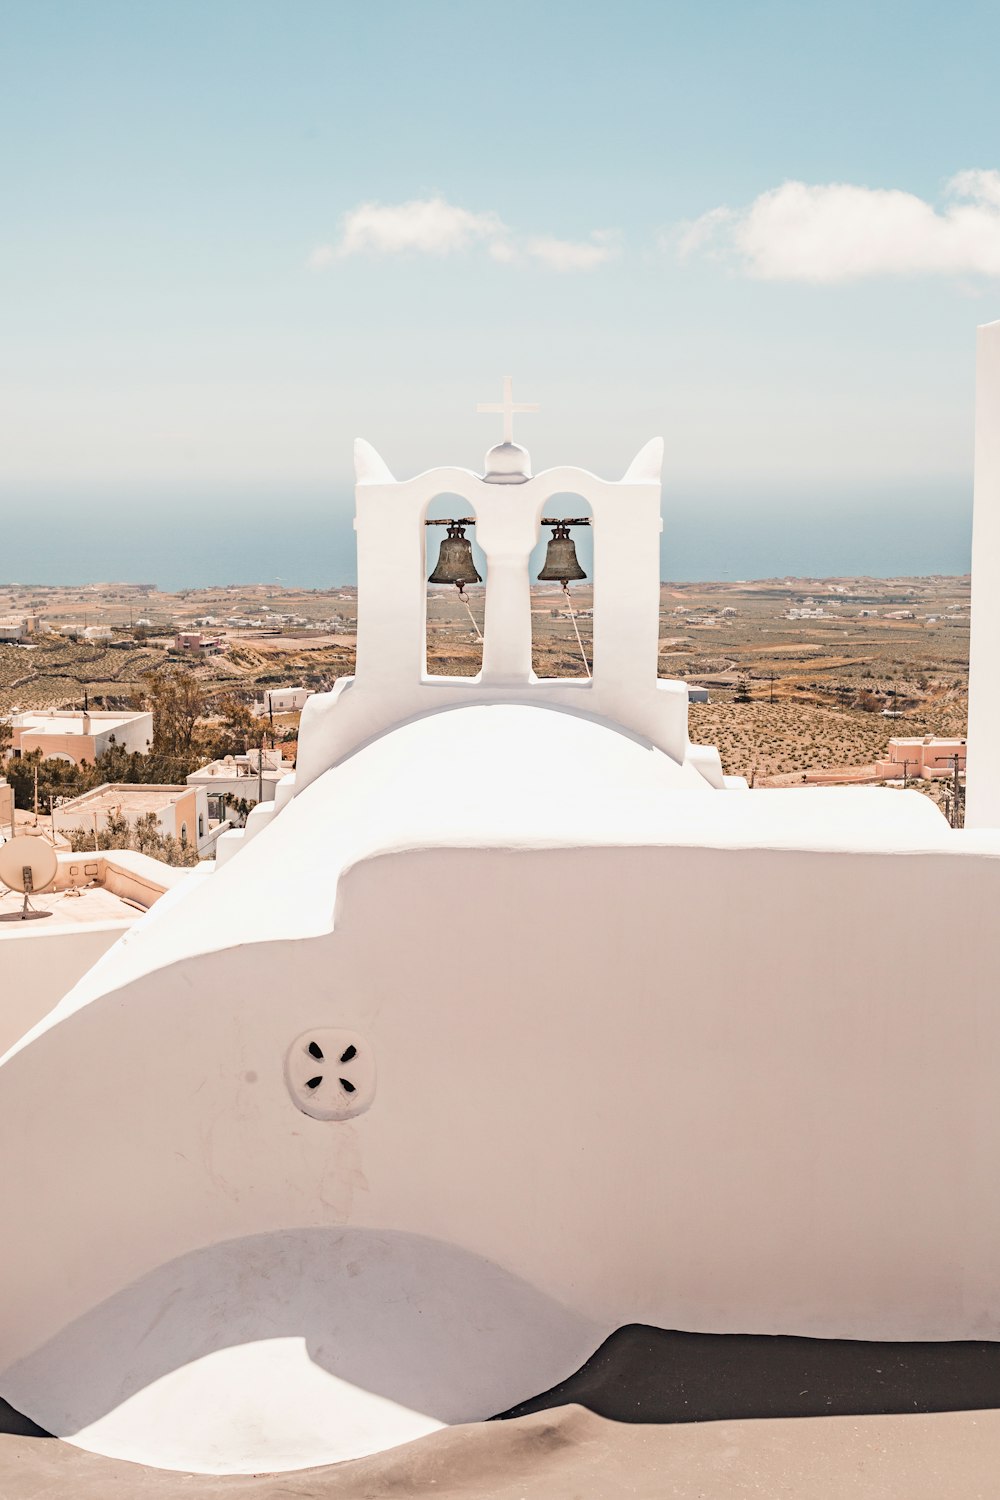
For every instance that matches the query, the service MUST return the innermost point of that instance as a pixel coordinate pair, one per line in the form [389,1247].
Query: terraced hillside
[55,673]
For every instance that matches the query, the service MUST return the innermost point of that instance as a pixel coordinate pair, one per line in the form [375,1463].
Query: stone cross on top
[507,407]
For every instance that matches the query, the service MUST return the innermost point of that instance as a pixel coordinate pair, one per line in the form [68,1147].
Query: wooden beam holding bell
[455,564]
[561,561]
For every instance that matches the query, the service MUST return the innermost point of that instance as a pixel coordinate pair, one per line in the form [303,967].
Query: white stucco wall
[135,734]
[283,700]
[36,970]
[243,788]
[41,961]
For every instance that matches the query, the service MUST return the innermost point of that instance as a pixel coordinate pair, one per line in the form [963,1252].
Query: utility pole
[260,772]
[36,796]
[772,677]
[953,761]
[906,765]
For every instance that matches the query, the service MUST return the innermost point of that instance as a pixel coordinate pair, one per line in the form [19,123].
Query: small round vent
[330,1073]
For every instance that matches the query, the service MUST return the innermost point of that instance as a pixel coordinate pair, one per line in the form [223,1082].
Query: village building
[283,700]
[928,757]
[180,812]
[196,642]
[239,779]
[20,627]
[79,735]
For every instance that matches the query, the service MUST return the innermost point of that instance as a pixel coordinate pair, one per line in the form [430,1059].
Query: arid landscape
[803,675]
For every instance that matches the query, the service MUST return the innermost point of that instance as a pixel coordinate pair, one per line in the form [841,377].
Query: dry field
[759,738]
[816,686]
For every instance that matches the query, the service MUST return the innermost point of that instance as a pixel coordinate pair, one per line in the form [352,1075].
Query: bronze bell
[455,564]
[561,563]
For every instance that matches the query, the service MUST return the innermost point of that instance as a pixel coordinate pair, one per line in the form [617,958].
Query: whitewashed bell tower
[506,504]
[506,501]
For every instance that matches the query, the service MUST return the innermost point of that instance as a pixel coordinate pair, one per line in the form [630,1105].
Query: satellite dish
[28,864]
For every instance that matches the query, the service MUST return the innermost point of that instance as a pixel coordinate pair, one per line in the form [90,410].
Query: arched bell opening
[455,569]
[562,590]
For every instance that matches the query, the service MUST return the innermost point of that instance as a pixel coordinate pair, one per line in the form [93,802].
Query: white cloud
[573,255]
[503,251]
[321,257]
[840,232]
[432,226]
[697,233]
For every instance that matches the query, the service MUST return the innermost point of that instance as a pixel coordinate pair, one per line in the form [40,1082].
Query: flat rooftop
[114,885]
[93,905]
[130,797]
[61,721]
[228,769]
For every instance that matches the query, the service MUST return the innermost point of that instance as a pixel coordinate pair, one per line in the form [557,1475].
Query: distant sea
[308,542]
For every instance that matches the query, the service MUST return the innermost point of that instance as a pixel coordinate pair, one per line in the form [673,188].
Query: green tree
[133,768]
[177,701]
[56,778]
[238,731]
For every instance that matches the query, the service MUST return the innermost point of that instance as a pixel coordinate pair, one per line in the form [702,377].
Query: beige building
[77,736]
[927,757]
[18,627]
[193,640]
[181,812]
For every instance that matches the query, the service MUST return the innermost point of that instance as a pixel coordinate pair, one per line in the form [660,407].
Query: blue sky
[238,234]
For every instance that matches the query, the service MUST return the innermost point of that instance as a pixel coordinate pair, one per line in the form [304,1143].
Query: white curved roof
[503,776]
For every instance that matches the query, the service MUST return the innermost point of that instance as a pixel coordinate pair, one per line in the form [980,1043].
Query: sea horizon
[308,542]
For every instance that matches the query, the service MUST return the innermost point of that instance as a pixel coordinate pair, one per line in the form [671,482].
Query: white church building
[510,1020]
